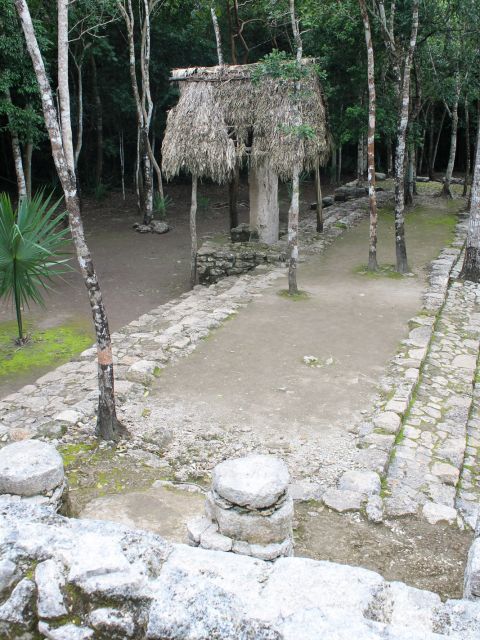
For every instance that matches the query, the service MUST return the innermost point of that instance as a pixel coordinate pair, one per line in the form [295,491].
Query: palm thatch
[196,138]
[223,111]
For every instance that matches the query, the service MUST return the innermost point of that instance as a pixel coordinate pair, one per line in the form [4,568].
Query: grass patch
[340,225]
[384,271]
[45,348]
[296,297]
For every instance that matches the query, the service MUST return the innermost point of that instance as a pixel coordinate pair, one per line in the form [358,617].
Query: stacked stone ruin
[248,510]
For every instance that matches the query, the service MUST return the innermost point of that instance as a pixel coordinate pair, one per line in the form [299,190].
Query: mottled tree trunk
[108,426]
[468,159]
[400,244]
[437,142]
[98,124]
[372,111]
[318,192]
[218,40]
[293,215]
[63,88]
[233,196]
[471,265]
[193,233]
[27,167]
[79,141]
[17,157]
[446,191]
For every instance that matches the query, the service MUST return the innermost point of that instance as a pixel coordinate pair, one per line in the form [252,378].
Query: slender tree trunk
[446,191]
[339,165]
[293,215]
[389,159]
[122,163]
[409,185]
[333,166]
[108,427]
[471,265]
[372,113]
[18,306]
[431,132]
[233,197]
[63,89]
[437,141]
[98,123]
[218,40]
[400,245]
[193,233]
[468,159]
[318,191]
[17,157]
[79,142]
[27,166]
[360,160]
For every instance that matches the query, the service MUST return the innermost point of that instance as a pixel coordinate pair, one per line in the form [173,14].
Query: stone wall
[67,579]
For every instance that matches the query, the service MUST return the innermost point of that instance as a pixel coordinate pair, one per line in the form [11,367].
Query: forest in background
[444,78]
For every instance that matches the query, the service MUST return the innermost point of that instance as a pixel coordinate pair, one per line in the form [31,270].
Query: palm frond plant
[32,251]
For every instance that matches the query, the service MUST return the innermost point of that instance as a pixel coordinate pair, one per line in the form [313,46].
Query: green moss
[72,452]
[296,297]
[384,271]
[45,348]
[340,225]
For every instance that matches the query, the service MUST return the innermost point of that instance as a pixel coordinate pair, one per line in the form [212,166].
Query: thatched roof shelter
[227,114]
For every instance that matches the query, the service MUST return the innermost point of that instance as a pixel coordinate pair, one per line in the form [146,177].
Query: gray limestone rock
[387,421]
[374,509]
[65,632]
[7,574]
[343,501]
[50,580]
[438,513]
[142,372]
[472,572]
[30,468]
[365,482]
[254,482]
[112,623]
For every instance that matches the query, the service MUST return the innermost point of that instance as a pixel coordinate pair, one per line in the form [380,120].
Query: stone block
[387,421]
[29,468]
[472,572]
[365,482]
[438,513]
[112,623]
[446,473]
[142,372]
[50,580]
[343,501]
[254,482]
[253,527]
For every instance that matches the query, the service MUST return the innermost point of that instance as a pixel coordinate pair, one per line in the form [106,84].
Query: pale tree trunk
[333,166]
[467,149]
[193,233]
[471,265]
[122,163]
[217,36]
[437,141]
[17,157]
[79,141]
[400,245]
[293,215]
[98,124]
[27,166]
[372,101]
[446,191]
[108,427]
[63,90]
[318,192]
[293,212]
[233,197]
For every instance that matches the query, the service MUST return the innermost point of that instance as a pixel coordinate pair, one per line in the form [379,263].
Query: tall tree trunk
[400,245]
[17,157]
[79,141]
[63,89]
[233,197]
[431,132]
[468,159]
[471,265]
[409,181]
[360,160]
[193,233]
[333,166]
[27,166]
[293,213]
[318,192]
[435,148]
[98,123]
[339,165]
[446,191]
[108,427]
[389,159]
[122,162]
[218,40]
[372,112]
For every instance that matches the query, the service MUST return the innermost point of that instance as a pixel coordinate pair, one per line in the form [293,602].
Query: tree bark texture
[400,245]
[17,157]
[372,102]
[264,212]
[193,233]
[446,191]
[468,159]
[218,39]
[98,123]
[318,194]
[437,141]
[293,215]
[471,265]
[108,426]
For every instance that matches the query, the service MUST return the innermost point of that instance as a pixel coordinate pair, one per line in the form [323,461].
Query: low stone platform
[77,579]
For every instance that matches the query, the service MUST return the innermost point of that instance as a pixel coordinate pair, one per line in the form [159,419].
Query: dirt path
[251,377]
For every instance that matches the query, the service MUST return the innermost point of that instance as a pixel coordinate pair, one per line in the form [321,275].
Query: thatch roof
[218,105]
